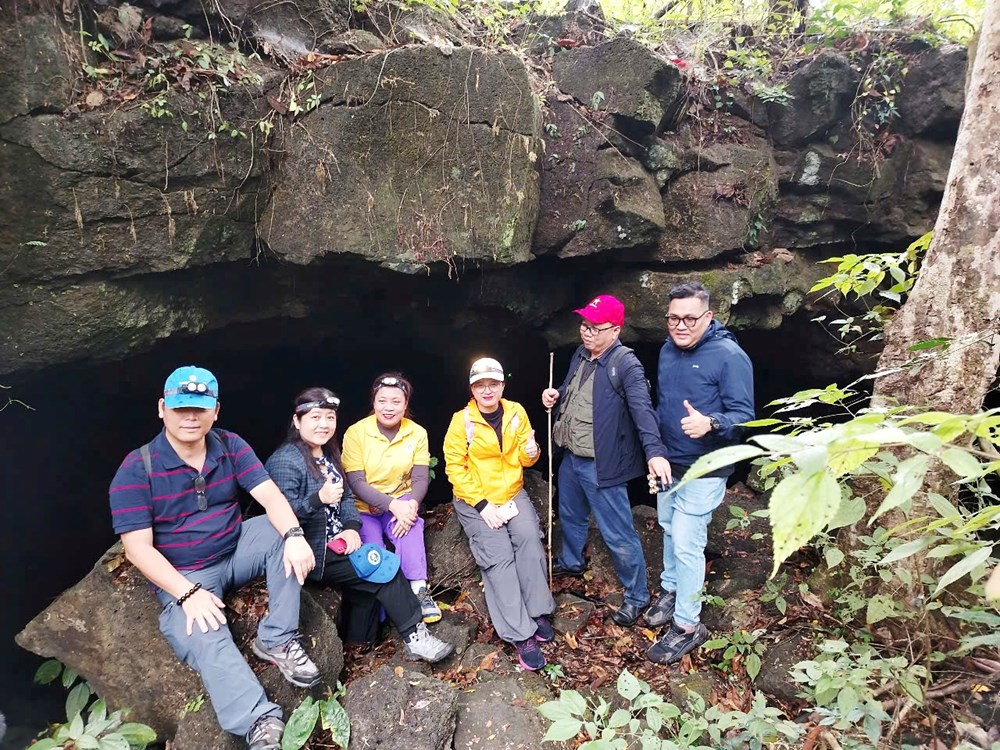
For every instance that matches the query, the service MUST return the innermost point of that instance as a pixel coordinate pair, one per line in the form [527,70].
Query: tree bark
[957,295]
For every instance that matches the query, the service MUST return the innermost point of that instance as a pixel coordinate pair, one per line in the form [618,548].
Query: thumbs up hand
[695,425]
[530,446]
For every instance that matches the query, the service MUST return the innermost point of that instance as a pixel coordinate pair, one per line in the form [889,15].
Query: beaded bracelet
[188,594]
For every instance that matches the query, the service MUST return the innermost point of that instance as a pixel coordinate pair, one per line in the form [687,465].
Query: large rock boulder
[106,629]
[392,709]
[412,157]
[643,92]
[821,95]
[932,97]
[37,69]
[501,715]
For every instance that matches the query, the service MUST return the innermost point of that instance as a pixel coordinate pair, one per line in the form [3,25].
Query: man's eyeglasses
[688,320]
[199,487]
[592,330]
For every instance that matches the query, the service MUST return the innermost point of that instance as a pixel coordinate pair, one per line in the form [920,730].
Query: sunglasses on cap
[199,389]
[330,402]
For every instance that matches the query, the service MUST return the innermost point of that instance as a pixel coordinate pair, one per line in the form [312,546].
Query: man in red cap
[607,428]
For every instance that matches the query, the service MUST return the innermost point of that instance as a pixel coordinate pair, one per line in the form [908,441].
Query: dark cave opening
[59,456]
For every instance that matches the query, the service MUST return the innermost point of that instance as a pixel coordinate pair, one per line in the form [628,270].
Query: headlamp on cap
[330,402]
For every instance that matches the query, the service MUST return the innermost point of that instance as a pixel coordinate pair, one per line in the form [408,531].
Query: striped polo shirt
[167,501]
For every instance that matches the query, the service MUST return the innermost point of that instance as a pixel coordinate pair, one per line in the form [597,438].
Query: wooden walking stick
[549,410]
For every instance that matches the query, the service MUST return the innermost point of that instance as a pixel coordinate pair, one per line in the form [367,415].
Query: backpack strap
[615,369]
[147,462]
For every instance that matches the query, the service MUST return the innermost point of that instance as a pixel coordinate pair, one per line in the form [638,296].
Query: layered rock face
[120,225]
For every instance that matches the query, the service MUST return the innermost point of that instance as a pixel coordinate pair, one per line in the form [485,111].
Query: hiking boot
[292,661]
[265,734]
[544,633]
[422,644]
[558,569]
[529,656]
[429,610]
[627,614]
[662,610]
[672,646]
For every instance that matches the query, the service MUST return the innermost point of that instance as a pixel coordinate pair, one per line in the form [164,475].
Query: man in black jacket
[607,428]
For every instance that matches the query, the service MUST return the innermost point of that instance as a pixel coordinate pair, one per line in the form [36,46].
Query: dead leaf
[571,641]
[95,98]
[489,661]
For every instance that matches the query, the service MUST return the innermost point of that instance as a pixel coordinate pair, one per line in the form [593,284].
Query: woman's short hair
[394,380]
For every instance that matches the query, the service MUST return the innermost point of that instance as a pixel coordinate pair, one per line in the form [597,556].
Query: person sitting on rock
[486,447]
[308,470]
[174,503]
[387,461]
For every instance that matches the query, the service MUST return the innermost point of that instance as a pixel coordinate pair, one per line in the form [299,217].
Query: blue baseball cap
[191,386]
[374,564]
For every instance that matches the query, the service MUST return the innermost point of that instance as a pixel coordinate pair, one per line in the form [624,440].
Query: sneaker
[529,656]
[662,610]
[292,661]
[544,633]
[429,610]
[265,734]
[558,569]
[422,644]
[672,646]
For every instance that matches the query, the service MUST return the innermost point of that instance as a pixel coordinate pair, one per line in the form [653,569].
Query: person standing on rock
[174,503]
[387,460]
[486,448]
[606,426]
[308,470]
[705,390]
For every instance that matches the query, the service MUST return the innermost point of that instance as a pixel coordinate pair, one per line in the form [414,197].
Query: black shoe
[662,610]
[558,569]
[544,632]
[672,646]
[627,614]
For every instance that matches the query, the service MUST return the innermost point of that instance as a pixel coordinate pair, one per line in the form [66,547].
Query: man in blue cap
[175,503]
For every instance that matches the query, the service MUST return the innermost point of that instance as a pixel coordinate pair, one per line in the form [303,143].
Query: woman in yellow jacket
[487,445]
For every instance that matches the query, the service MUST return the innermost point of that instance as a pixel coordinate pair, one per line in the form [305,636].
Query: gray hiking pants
[512,561]
[233,688]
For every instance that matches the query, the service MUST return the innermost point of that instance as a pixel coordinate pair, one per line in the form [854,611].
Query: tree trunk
[957,295]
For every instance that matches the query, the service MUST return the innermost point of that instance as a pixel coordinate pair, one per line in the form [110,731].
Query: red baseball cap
[603,309]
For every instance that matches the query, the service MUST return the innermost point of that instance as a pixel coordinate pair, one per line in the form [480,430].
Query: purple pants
[409,548]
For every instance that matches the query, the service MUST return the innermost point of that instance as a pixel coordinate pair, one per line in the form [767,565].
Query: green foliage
[739,646]
[328,712]
[646,720]
[88,723]
[843,682]
[890,276]
[772,593]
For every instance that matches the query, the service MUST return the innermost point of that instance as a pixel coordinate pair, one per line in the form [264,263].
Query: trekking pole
[549,410]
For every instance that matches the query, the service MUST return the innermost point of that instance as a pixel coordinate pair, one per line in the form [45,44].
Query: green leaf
[48,671]
[753,666]
[334,718]
[769,422]
[114,742]
[562,730]
[653,719]
[77,700]
[905,550]
[619,718]
[930,344]
[137,735]
[851,510]
[87,742]
[628,685]
[880,607]
[46,744]
[576,702]
[962,462]
[556,710]
[963,566]
[833,557]
[907,480]
[848,455]
[300,725]
[801,506]
[68,677]
[721,458]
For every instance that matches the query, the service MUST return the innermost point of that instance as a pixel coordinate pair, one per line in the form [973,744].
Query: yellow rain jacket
[473,461]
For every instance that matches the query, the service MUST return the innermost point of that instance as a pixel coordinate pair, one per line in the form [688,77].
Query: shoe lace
[420,634]
[295,652]
[264,728]
[529,646]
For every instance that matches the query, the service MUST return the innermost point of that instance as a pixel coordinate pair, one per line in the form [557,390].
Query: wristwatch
[294,531]
[714,424]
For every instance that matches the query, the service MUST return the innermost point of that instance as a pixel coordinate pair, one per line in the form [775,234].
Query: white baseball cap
[484,368]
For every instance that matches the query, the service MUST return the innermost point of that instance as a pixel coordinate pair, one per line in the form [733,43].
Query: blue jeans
[233,688]
[578,496]
[684,515]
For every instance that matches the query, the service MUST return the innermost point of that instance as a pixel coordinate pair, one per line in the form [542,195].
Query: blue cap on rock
[191,386]
[374,564]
